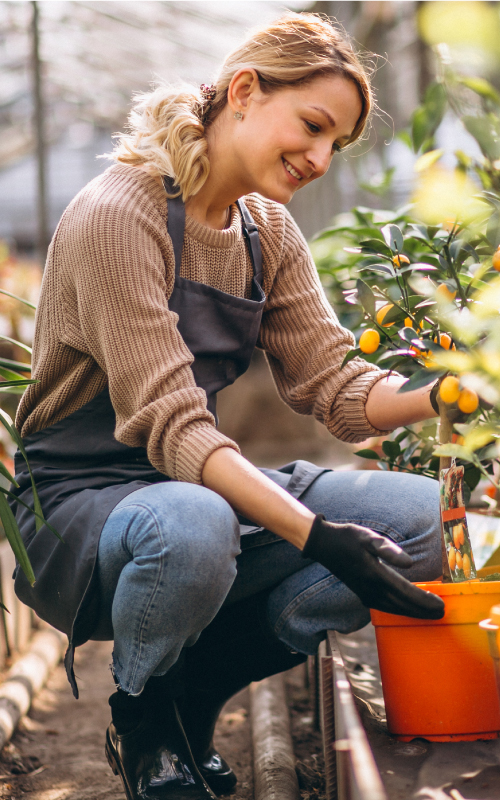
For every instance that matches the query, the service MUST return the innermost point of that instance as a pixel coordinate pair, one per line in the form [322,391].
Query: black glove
[353,554]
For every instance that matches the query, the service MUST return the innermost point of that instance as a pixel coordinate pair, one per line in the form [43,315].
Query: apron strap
[251,234]
[176,220]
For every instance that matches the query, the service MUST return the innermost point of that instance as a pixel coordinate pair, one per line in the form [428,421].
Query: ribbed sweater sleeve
[112,271]
[305,346]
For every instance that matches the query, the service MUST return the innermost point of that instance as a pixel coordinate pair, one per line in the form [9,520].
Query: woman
[163,275]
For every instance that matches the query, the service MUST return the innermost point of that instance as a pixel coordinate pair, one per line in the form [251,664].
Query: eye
[312,127]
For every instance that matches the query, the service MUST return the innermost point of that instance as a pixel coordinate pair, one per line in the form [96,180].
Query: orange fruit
[450,389]
[408,322]
[369,341]
[445,340]
[444,293]
[452,558]
[496,259]
[468,401]
[459,559]
[382,313]
[491,491]
[399,261]
[466,566]
[458,535]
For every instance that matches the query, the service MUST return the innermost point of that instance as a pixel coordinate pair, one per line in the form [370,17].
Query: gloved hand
[353,554]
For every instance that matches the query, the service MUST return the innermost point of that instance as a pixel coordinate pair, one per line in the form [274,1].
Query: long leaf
[7,362]
[14,341]
[25,505]
[6,421]
[16,297]
[14,537]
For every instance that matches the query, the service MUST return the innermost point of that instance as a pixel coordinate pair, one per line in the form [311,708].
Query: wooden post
[39,135]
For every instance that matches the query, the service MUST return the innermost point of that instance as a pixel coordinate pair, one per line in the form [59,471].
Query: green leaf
[366,297]
[481,87]
[14,538]
[481,129]
[420,125]
[9,364]
[493,230]
[391,449]
[419,379]
[472,476]
[455,451]
[6,421]
[393,237]
[427,160]
[350,355]
[18,344]
[42,519]
[16,297]
[367,454]
[5,472]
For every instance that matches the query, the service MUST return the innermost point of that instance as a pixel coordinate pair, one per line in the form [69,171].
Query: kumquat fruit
[468,401]
[445,340]
[444,293]
[382,313]
[452,558]
[496,259]
[459,559]
[400,261]
[369,341]
[450,389]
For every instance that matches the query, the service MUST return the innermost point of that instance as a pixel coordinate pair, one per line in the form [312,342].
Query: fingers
[402,597]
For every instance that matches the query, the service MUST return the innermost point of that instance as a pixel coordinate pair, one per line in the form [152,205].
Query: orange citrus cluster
[466,399]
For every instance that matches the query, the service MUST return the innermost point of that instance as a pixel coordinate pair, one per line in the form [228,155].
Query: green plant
[423,276]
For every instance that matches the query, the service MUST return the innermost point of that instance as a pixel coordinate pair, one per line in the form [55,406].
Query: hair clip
[208,92]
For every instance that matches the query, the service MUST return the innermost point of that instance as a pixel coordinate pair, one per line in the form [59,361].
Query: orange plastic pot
[492,627]
[438,677]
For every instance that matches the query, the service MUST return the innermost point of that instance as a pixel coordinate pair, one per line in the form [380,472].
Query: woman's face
[287,139]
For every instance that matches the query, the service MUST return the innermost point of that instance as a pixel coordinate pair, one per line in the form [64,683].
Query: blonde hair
[167,125]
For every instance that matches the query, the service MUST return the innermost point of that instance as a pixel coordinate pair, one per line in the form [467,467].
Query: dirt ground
[58,751]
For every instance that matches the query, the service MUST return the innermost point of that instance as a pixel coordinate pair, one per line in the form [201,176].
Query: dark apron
[82,472]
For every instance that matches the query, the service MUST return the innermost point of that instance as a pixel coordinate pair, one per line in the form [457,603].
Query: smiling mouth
[293,172]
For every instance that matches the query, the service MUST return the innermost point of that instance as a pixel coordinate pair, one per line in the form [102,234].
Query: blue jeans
[169,558]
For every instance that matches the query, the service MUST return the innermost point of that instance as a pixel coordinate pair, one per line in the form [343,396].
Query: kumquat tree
[422,285]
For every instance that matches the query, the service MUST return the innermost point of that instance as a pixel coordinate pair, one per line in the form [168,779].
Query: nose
[319,158]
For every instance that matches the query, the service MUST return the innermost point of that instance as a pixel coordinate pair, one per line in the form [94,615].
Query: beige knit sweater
[103,318]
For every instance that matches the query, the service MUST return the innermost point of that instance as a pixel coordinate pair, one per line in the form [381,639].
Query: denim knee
[192,526]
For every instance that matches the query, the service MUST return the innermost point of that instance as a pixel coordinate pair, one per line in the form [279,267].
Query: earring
[238,115]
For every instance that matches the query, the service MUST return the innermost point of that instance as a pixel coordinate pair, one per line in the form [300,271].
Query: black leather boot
[238,647]
[147,747]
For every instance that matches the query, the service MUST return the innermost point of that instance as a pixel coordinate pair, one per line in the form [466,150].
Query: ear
[244,88]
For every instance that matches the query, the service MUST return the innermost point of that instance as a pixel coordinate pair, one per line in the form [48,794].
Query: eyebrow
[325,114]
